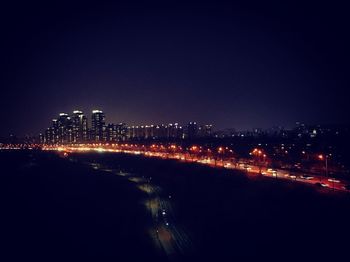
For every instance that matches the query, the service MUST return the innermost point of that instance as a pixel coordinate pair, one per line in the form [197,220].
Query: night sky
[240,65]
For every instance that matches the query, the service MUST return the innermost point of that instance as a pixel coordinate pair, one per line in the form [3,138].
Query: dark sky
[241,65]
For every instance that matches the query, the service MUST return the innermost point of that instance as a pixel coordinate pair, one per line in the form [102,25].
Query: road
[320,181]
[167,235]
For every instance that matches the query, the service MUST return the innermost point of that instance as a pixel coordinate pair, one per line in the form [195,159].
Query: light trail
[250,169]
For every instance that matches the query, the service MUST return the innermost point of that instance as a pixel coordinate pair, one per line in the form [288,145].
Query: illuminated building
[130,132]
[112,133]
[49,136]
[79,127]
[98,126]
[148,132]
[175,131]
[64,129]
[55,129]
[41,138]
[122,130]
[161,132]
[205,130]
[155,132]
[136,132]
[73,128]
[192,130]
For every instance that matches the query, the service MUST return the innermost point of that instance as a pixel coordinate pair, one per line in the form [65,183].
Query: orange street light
[194,148]
[321,157]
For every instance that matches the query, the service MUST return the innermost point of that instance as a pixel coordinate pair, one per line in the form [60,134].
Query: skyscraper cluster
[67,129]
[74,128]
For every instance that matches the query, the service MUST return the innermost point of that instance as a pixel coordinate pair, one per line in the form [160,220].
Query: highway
[320,181]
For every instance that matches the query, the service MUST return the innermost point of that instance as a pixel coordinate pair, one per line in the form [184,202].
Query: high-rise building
[159,131]
[192,130]
[175,131]
[148,132]
[41,138]
[49,136]
[130,132]
[122,130]
[64,128]
[112,133]
[155,132]
[98,126]
[55,129]
[205,130]
[135,132]
[79,127]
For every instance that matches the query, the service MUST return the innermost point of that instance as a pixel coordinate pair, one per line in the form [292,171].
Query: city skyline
[82,128]
[208,130]
[214,128]
[76,128]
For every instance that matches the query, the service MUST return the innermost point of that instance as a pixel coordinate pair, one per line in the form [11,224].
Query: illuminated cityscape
[67,129]
[312,154]
[174,131]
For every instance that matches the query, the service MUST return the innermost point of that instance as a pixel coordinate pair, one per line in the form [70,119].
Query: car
[306,177]
[290,176]
[333,180]
[297,165]
[319,184]
[347,187]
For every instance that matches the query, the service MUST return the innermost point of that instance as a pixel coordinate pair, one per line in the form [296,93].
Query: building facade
[79,127]
[98,126]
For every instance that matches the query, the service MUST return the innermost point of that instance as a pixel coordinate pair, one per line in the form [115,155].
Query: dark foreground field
[57,208]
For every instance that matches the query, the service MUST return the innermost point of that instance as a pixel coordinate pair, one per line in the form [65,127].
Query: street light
[260,157]
[321,157]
